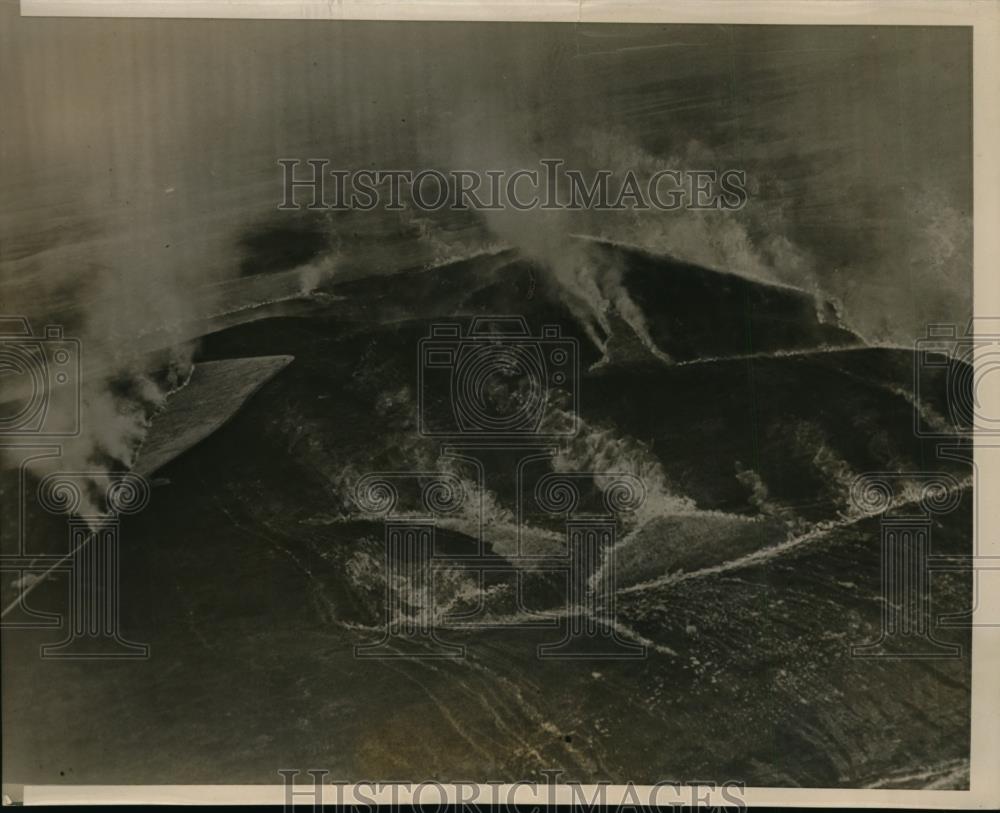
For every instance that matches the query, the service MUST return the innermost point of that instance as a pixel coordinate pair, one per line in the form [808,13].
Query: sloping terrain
[748,574]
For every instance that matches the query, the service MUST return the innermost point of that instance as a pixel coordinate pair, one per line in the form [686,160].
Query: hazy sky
[142,153]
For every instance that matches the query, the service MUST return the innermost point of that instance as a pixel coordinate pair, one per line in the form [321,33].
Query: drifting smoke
[134,349]
[115,414]
[115,409]
[306,279]
[592,288]
[592,285]
[924,278]
[907,262]
[751,241]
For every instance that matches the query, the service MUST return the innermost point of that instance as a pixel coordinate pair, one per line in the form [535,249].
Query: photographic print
[488,402]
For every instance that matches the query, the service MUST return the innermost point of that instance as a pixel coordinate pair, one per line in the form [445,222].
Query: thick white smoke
[131,318]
